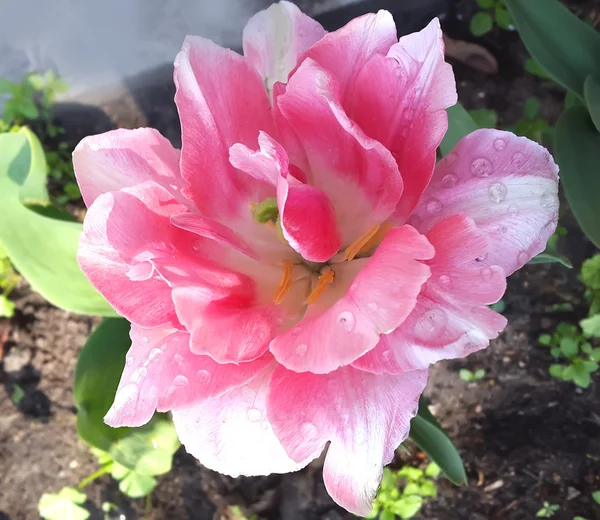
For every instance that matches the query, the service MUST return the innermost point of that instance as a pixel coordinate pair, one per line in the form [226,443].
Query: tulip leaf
[97,375]
[550,258]
[592,98]
[565,46]
[460,123]
[42,248]
[147,450]
[577,150]
[427,433]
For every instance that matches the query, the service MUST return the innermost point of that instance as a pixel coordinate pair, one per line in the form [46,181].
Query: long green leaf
[427,433]
[591,90]
[460,123]
[577,150]
[43,249]
[566,47]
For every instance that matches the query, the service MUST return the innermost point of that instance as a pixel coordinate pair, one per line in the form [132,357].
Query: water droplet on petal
[301,349]
[139,374]
[125,399]
[308,431]
[264,425]
[497,192]
[486,273]
[548,200]
[180,381]
[431,324]
[445,281]
[481,258]
[409,113]
[449,180]
[522,257]
[434,206]
[398,71]
[513,209]
[499,144]
[404,131]
[129,360]
[482,167]
[178,359]
[347,321]
[254,415]
[203,376]
[387,355]
[154,354]
[518,159]
[296,331]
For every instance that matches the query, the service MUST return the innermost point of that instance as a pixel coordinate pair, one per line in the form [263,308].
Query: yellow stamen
[377,238]
[285,283]
[325,279]
[359,244]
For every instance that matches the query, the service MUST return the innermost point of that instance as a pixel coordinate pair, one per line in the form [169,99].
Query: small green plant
[547,510]
[484,117]
[531,125]
[469,376]
[577,358]
[394,501]
[237,514]
[31,101]
[493,12]
[590,276]
[8,281]
[596,496]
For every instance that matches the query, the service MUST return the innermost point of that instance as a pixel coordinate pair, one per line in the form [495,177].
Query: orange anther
[359,244]
[285,283]
[325,279]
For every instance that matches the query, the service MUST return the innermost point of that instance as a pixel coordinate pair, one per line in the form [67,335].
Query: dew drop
[301,349]
[449,180]
[503,229]
[522,257]
[308,431]
[347,321]
[125,399]
[499,144]
[548,200]
[143,340]
[180,381]
[139,374]
[203,376]
[296,331]
[513,209]
[481,258]
[154,354]
[431,324]
[497,192]
[178,359]
[518,158]
[398,71]
[264,425]
[129,360]
[445,281]
[254,415]
[387,355]
[434,206]
[486,273]
[482,167]
[404,131]
[409,113]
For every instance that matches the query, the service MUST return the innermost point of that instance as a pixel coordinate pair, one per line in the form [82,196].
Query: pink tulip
[292,272]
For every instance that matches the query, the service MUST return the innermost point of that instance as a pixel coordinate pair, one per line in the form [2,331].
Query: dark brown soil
[525,438]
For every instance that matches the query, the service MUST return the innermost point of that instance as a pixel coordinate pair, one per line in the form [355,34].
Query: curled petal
[123,158]
[451,318]
[364,416]
[231,433]
[374,302]
[275,38]
[161,373]
[507,184]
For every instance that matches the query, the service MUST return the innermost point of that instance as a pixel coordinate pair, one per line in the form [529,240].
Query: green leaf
[499,306]
[577,149]
[63,505]
[596,496]
[42,249]
[566,47]
[557,371]
[503,18]
[432,470]
[460,123]
[6,86]
[590,272]
[595,355]
[428,489]
[531,109]
[481,24]
[407,506]
[485,4]
[97,375]
[591,326]
[135,485]
[479,374]
[533,67]
[466,375]
[7,307]
[555,352]
[581,377]
[438,447]
[550,258]
[545,339]
[590,366]
[484,117]
[591,91]
[387,515]
[569,347]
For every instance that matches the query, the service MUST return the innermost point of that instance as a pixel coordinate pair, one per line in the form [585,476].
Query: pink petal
[276,37]
[227,323]
[507,184]
[221,101]
[451,319]
[162,374]
[231,433]
[345,52]
[364,416]
[400,100]
[123,158]
[379,298]
[357,173]
[123,232]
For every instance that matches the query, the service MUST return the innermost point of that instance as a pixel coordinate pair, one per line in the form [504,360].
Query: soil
[525,438]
